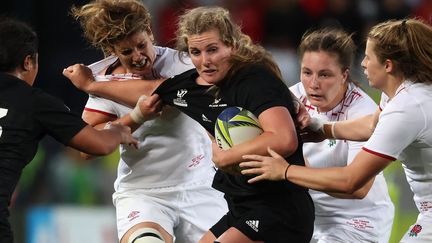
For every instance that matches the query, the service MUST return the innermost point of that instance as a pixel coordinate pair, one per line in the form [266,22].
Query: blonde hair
[408,44]
[202,19]
[106,22]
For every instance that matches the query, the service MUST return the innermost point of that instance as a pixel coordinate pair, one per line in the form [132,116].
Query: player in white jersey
[398,61]
[164,187]
[327,90]
[346,220]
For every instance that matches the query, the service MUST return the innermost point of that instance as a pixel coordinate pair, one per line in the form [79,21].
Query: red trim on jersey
[101,112]
[379,154]
[399,91]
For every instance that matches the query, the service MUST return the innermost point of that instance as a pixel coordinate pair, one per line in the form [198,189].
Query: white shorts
[186,211]
[420,231]
[339,235]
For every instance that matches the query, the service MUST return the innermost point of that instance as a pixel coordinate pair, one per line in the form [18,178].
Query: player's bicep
[277,123]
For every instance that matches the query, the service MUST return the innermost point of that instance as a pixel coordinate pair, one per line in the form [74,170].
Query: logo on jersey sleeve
[179,100]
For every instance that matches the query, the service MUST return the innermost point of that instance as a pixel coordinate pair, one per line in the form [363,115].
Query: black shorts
[5,230]
[280,220]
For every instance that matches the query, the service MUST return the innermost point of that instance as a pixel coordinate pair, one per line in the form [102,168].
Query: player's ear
[389,66]
[28,63]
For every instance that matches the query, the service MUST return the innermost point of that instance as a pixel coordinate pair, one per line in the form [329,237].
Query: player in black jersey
[28,114]
[232,71]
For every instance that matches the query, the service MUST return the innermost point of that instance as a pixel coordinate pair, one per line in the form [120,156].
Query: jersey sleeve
[100,105]
[398,126]
[174,65]
[56,118]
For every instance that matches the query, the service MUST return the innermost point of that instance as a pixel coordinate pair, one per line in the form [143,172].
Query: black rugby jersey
[27,114]
[254,88]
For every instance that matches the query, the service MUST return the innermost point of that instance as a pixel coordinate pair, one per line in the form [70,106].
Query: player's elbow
[360,194]
[86,156]
[286,146]
[354,189]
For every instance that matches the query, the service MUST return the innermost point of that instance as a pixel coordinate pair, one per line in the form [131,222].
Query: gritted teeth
[141,64]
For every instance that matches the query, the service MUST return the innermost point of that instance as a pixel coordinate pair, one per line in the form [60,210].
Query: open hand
[264,167]
[125,131]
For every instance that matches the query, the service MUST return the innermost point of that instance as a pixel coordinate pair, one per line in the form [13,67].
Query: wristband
[286,170]
[136,114]
[333,130]
[107,125]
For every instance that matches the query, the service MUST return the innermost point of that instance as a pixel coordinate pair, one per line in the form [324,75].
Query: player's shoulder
[411,96]
[358,97]
[169,53]
[255,74]
[170,62]
[298,90]
[43,99]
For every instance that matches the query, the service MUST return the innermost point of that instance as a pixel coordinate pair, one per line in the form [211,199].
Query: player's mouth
[315,97]
[141,64]
[209,71]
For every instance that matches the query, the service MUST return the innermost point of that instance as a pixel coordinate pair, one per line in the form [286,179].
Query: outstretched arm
[346,179]
[145,109]
[126,92]
[356,130]
[102,142]
[359,129]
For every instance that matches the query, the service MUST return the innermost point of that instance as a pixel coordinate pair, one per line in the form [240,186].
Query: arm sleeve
[399,125]
[56,118]
[100,105]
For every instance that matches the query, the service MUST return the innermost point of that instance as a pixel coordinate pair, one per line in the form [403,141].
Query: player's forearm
[95,142]
[355,130]
[125,92]
[284,145]
[335,179]
[358,194]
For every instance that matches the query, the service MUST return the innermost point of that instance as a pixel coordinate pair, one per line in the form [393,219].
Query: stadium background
[60,196]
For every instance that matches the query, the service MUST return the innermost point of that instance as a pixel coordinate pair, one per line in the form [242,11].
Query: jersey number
[3,113]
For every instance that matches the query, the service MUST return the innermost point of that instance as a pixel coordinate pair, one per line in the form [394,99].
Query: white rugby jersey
[370,218]
[404,132]
[172,149]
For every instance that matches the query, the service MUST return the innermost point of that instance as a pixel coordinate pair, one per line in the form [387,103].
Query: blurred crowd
[281,23]
[58,175]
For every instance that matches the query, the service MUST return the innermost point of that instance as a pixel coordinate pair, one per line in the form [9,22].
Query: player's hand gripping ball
[236,125]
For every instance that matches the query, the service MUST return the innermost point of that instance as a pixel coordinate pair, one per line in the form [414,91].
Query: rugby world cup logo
[179,100]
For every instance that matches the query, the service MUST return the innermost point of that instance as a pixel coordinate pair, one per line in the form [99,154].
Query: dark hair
[17,40]
[333,41]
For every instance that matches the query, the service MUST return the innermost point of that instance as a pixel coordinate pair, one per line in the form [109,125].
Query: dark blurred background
[58,180]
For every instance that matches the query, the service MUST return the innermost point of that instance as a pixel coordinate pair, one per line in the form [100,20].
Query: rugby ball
[236,125]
